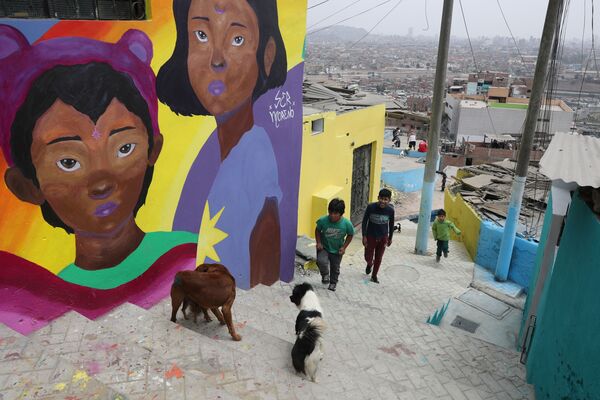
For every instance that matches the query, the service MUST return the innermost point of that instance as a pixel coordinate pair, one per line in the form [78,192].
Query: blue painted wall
[404,181]
[523,257]
[564,360]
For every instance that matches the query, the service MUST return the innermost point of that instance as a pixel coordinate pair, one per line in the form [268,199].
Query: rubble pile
[487,189]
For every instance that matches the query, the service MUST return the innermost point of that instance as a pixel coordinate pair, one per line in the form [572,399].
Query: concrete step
[28,371]
[221,364]
[425,350]
[271,340]
[358,356]
[115,360]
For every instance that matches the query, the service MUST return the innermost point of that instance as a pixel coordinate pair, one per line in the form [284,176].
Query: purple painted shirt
[240,186]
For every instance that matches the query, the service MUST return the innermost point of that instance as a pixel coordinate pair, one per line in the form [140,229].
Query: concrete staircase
[377,345]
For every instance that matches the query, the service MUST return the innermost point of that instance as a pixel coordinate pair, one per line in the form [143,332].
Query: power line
[593,47]
[511,34]
[468,36]
[426,17]
[546,114]
[378,22]
[317,5]
[583,32]
[352,16]
[487,108]
[336,12]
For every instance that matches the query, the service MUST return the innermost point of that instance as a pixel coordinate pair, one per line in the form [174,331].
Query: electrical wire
[462,12]
[583,32]
[378,22]
[591,53]
[511,34]
[545,127]
[317,5]
[336,12]
[426,17]
[487,109]
[350,17]
[594,47]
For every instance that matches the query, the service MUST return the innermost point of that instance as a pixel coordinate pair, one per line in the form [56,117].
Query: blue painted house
[560,335]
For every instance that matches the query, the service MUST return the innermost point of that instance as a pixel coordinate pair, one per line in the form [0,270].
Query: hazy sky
[525,17]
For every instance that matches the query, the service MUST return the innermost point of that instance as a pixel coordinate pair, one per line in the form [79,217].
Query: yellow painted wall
[465,218]
[326,169]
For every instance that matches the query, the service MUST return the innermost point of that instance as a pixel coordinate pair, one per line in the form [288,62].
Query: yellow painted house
[341,157]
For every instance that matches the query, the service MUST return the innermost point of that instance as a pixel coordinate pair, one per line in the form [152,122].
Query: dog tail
[314,330]
[177,280]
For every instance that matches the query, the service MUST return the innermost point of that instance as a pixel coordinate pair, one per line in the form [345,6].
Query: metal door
[361,179]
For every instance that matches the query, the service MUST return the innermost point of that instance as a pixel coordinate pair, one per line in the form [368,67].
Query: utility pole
[433,136]
[537,93]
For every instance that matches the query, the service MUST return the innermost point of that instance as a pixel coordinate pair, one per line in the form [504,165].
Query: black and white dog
[308,349]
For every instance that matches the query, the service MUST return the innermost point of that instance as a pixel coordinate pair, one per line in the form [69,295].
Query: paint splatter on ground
[241,325]
[93,367]
[397,350]
[81,377]
[60,386]
[175,371]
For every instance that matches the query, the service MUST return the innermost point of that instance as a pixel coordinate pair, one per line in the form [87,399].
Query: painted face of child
[441,218]
[223,38]
[335,217]
[90,174]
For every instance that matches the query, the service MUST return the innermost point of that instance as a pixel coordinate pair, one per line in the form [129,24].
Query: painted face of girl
[90,174]
[223,39]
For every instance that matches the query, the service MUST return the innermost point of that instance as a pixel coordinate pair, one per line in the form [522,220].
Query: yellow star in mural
[209,236]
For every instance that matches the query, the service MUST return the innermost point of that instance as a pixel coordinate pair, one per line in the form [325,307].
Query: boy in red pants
[377,230]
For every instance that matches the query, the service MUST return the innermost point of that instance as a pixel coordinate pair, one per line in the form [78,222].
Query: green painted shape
[515,106]
[437,316]
[564,359]
[304,49]
[152,247]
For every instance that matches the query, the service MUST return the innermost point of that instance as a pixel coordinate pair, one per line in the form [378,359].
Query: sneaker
[368,269]
[374,279]
[325,280]
[331,287]
[445,255]
[437,258]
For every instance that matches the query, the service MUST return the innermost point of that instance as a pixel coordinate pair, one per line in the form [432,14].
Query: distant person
[377,230]
[441,233]
[396,137]
[444,178]
[423,146]
[412,140]
[333,235]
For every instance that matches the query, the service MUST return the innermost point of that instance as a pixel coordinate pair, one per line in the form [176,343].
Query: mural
[227,54]
[108,192]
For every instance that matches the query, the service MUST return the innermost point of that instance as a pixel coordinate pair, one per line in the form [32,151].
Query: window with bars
[74,9]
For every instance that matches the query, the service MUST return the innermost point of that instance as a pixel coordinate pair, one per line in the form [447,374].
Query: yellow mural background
[24,232]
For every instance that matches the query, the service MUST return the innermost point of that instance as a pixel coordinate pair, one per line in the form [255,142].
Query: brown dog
[210,286]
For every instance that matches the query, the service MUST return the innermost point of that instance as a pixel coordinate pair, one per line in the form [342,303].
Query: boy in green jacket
[441,233]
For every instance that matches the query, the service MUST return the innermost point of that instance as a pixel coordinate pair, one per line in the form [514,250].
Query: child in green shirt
[333,235]
[441,233]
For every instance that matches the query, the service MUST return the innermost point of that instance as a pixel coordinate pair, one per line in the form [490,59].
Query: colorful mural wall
[134,149]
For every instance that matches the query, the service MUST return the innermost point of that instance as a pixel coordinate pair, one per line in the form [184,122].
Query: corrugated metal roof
[573,158]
